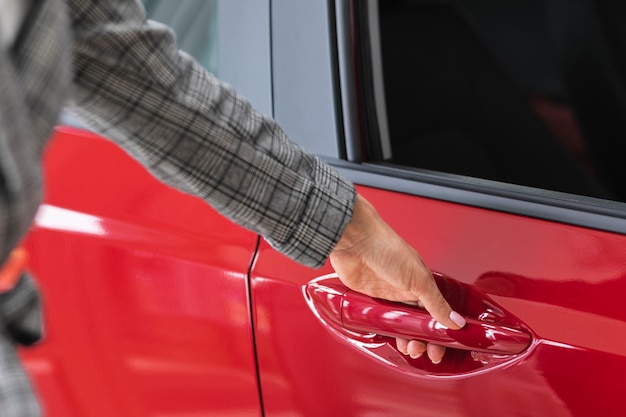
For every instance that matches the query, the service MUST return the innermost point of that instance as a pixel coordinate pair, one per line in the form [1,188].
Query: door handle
[359,313]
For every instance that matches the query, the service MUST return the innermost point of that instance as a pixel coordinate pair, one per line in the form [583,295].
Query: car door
[146,309]
[524,241]
[145,288]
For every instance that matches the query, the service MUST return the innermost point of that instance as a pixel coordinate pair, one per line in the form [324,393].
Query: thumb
[438,307]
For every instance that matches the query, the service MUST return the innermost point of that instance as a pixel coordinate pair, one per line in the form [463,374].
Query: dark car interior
[528,92]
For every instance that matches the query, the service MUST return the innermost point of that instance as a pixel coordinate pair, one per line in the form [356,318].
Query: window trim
[554,206]
[345,79]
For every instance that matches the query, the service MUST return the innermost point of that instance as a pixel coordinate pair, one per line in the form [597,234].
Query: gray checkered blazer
[131,84]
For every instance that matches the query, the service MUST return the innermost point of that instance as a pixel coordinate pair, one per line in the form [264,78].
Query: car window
[195,25]
[524,92]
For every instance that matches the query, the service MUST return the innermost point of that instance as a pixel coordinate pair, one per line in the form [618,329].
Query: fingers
[412,348]
[415,349]
[435,353]
[438,307]
[402,345]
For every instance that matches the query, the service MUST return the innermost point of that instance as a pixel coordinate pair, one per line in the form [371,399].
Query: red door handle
[359,313]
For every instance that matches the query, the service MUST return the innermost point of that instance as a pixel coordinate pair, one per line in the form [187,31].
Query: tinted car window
[519,92]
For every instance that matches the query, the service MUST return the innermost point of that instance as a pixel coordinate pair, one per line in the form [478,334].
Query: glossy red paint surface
[147,310]
[563,284]
[145,293]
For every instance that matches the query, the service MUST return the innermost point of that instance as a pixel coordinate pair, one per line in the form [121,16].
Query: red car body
[157,306]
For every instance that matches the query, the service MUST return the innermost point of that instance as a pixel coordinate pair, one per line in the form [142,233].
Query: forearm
[133,86]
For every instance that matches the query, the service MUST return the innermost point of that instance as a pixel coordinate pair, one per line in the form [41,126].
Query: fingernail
[458,319]
[419,355]
[437,363]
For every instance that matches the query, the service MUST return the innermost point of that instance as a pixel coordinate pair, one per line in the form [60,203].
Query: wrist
[360,227]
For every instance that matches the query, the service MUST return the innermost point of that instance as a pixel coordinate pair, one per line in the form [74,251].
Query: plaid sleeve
[193,132]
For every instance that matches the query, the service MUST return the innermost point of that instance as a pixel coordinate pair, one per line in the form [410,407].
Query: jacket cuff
[326,214]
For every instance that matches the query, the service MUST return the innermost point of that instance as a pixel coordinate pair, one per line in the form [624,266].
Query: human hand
[372,259]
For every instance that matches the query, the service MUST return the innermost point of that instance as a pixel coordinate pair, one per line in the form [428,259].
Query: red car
[488,134]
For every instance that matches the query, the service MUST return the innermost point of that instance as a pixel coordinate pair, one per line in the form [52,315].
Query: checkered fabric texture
[35,77]
[133,86]
[193,132]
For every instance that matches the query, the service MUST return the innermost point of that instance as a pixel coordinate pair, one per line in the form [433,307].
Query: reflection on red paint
[145,293]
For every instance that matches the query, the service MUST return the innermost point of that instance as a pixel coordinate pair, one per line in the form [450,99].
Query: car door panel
[562,283]
[145,293]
